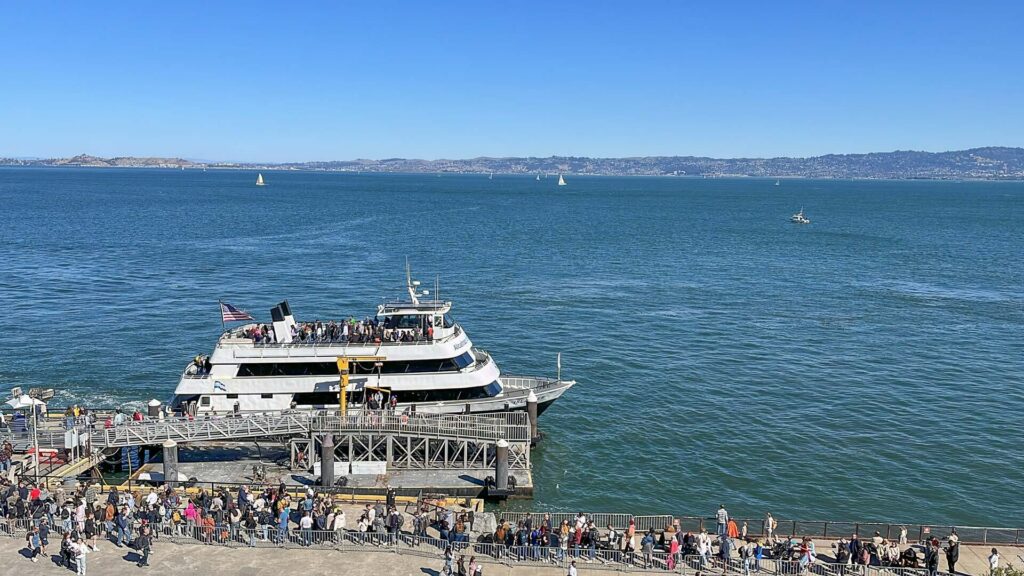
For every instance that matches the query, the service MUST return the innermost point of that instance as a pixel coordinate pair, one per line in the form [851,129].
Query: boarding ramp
[510,426]
[183,430]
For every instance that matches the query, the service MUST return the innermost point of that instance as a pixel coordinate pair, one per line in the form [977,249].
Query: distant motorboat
[259,180]
[799,218]
[561,181]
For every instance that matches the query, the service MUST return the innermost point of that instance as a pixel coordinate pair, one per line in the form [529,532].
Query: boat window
[448,322]
[204,401]
[316,398]
[261,370]
[406,321]
[494,388]
[449,395]
[266,396]
[232,396]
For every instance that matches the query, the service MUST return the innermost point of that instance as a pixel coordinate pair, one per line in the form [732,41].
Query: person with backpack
[144,543]
[33,544]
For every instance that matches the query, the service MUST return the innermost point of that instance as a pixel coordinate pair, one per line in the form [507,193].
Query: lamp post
[35,443]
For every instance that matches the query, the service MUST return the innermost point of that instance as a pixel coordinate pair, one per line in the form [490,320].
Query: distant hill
[992,163]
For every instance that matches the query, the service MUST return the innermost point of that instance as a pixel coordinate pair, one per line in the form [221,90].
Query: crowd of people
[85,517]
[730,548]
[368,330]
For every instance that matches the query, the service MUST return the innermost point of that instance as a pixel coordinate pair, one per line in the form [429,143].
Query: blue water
[868,366]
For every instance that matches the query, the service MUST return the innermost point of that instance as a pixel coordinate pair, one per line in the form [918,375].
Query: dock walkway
[170,557]
[510,426]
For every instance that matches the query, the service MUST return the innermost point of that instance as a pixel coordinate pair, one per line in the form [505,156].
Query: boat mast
[408,283]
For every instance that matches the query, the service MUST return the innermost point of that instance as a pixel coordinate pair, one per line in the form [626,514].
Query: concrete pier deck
[171,558]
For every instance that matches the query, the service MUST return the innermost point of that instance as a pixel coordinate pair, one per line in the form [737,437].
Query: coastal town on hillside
[992,163]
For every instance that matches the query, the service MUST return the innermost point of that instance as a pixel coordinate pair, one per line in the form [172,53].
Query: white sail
[561,181]
[259,179]
[538,177]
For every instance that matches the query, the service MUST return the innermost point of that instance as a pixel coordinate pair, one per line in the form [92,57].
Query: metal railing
[829,529]
[601,519]
[528,382]
[238,337]
[510,426]
[408,543]
[151,432]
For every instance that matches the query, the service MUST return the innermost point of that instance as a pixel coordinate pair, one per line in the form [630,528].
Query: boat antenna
[437,287]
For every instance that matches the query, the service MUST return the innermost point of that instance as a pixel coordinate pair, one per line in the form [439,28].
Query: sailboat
[491,177]
[776,182]
[538,177]
[561,181]
[259,180]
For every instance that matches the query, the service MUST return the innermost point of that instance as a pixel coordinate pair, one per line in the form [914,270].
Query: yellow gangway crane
[344,367]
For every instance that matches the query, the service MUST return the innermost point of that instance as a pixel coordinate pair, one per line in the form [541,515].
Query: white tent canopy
[24,401]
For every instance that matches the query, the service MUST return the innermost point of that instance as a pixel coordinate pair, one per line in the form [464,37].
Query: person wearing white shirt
[572,568]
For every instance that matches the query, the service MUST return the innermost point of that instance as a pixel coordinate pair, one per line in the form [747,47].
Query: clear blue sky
[258,81]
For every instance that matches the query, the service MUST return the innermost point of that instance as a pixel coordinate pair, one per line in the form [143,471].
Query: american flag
[229,313]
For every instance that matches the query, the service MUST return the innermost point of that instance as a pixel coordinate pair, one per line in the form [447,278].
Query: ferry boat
[412,350]
[799,218]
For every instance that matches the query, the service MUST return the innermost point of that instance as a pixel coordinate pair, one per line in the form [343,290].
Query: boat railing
[529,382]
[234,337]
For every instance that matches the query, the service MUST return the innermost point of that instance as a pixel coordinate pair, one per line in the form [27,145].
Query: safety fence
[600,519]
[813,528]
[405,543]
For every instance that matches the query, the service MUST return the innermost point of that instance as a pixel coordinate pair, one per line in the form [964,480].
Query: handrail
[419,544]
[512,426]
[236,334]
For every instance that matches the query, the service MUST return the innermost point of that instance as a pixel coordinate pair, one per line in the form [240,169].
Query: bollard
[501,467]
[531,411]
[170,463]
[327,461]
[154,408]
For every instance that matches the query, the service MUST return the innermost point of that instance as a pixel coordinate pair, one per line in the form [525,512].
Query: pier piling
[531,411]
[327,461]
[171,463]
[501,468]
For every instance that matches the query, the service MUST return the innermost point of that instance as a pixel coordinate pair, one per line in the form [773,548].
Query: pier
[458,455]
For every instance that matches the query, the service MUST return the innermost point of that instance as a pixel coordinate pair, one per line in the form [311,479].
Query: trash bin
[154,408]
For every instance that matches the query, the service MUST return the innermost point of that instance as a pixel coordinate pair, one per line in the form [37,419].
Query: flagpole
[220,310]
